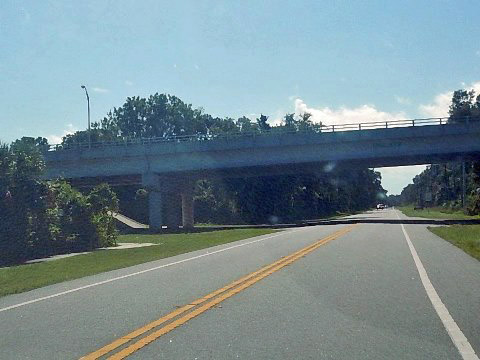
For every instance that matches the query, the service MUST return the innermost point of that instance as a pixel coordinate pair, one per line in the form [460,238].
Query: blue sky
[342,60]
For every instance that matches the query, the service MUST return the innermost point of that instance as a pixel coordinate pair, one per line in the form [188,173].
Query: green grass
[17,279]
[466,237]
[207,224]
[436,213]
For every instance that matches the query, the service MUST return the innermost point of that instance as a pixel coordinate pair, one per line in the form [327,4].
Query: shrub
[42,218]
[104,202]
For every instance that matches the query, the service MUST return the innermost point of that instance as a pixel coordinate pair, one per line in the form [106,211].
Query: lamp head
[83,86]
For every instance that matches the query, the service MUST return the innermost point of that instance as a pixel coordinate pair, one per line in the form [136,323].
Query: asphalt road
[357,296]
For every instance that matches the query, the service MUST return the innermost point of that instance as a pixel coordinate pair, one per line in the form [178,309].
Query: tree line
[164,116]
[288,198]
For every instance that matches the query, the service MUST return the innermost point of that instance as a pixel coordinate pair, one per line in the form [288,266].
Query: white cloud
[477,53]
[439,107]
[344,115]
[402,100]
[441,103]
[175,66]
[197,67]
[128,83]
[57,139]
[100,90]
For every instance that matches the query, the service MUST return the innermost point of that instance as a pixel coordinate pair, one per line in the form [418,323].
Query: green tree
[289,122]
[24,206]
[244,124]
[462,105]
[304,121]
[103,203]
[262,123]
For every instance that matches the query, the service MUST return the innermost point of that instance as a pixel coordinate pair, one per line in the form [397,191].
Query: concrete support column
[187,205]
[165,196]
[155,204]
[155,210]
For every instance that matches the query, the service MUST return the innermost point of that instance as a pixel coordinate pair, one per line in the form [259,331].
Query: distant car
[380,206]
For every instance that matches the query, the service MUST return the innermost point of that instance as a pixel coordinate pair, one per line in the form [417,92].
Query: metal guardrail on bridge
[315,128]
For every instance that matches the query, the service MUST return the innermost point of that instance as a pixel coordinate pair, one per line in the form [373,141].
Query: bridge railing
[385,124]
[313,128]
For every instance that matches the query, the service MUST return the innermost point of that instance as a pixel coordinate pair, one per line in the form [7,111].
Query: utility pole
[88,109]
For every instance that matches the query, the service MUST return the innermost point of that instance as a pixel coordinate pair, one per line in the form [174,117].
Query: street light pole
[88,107]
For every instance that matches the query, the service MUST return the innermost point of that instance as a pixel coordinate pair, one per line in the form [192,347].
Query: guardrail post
[333,128]
[359,126]
[413,122]
[386,124]
[440,121]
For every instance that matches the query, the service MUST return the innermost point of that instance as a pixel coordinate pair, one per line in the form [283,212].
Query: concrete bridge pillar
[164,199]
[187,204]
[155,214]
[155,209]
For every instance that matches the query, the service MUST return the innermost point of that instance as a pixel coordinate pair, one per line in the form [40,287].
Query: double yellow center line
[187,312]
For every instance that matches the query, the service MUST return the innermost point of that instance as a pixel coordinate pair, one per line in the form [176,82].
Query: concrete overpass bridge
[169,167]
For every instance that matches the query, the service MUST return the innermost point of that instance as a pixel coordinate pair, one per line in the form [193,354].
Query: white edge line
[145,271]
[457,336]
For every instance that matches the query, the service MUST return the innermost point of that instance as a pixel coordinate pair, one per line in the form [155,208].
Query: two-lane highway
[367,291]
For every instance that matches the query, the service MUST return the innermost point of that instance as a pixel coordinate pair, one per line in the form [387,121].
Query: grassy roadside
[17,279]
[466,237]
[435,213]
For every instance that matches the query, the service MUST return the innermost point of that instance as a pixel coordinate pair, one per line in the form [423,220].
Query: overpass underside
[169,170]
